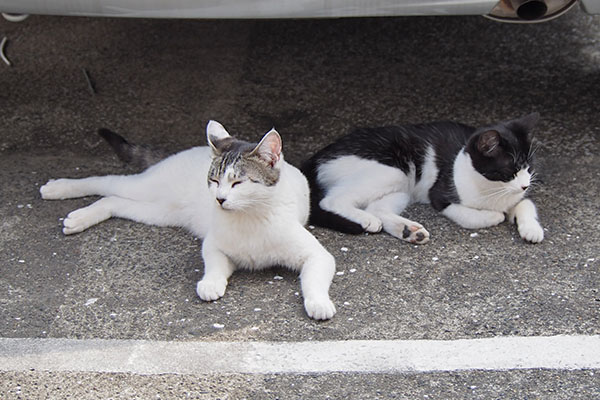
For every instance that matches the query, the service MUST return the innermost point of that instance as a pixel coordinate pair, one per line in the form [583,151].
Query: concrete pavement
[159,81]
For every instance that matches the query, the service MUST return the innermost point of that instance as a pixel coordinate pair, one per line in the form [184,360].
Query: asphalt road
[159,81]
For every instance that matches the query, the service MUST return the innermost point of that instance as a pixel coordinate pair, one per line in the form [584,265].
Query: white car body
[274,8]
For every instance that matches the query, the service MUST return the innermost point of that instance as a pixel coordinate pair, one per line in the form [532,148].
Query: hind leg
[129,186]
[345,206]
[113,206]
[353,183]
[387,209]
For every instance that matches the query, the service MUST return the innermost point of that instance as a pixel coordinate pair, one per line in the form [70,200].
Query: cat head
[503,152]
[242,175]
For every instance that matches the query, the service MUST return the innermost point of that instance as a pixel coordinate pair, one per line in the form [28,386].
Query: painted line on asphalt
[364,356]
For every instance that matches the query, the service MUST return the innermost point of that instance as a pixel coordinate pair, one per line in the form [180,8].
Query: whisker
[535,145]
[493,189]
[499,193]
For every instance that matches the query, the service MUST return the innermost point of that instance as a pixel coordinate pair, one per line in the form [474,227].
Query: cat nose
[220,200]
[524,187]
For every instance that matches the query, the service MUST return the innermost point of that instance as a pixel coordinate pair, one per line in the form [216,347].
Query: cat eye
[234,184]
[214,181]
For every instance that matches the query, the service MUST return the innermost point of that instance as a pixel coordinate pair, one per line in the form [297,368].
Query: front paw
[531,231]
[482,219]
[492,218]
[319,308]
[211,290]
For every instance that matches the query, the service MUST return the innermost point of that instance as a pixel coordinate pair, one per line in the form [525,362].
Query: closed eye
[214,181]
[234,184]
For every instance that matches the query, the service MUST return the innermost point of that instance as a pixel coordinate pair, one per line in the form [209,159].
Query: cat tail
[135,155]
[319,216]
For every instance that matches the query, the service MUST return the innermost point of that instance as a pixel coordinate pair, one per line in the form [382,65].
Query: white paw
[483,219]
[81,219]
[319,308]
[211,290]
[531,231]
[55,189]
[492,218]
[371,223]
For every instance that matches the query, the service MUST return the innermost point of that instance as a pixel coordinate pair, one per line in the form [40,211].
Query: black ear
[488,143]
[527,122]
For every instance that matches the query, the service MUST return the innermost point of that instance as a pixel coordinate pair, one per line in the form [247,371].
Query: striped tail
[135,155]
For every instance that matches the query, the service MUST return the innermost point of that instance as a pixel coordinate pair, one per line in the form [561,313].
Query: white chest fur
[264,236]
[476,191]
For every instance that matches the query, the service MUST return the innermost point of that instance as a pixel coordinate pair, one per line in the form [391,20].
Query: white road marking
[364,356]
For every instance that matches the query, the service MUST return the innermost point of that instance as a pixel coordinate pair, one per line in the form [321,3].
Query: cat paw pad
[415,234]
[55,190]
[210,290]
[319,308]
[531,231]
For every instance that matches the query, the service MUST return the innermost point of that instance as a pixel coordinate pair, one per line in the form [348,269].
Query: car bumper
[259,8]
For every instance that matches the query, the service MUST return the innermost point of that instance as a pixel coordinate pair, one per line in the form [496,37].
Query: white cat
[251,213]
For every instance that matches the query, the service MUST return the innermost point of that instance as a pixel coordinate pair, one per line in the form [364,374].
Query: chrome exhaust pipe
[525,11]
[529,10]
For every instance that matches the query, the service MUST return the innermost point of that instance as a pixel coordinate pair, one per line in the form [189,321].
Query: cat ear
[527,122]
[215,132]
[269,148]
[489,143]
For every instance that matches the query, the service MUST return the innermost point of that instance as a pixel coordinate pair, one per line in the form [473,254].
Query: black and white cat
[364,180]
[248,204]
